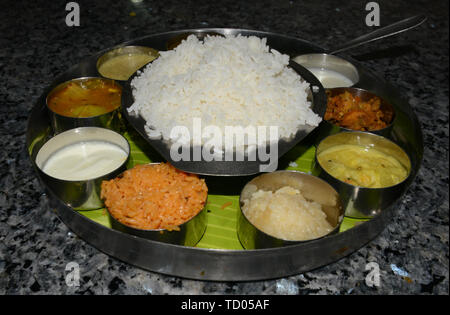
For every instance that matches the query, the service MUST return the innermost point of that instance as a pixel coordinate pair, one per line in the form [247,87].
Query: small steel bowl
[317,63]
[79,194]
[362,202]
[125,50]
[365,95]
[188,234]
[111,120]
[312,188]
[327,128]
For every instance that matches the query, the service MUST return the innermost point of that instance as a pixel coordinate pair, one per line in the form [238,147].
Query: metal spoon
[396,28]
[329,61]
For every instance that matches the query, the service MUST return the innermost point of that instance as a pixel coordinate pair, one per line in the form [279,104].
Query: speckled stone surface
[36,45]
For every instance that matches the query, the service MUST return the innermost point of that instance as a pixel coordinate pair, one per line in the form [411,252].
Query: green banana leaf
[222,210]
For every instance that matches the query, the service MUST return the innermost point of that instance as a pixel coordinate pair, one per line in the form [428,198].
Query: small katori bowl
[332,71]
[327,128]
[365,95]
[364,202]
[83,193]
[311,187]
[188,233]
[131,58]
[110,120]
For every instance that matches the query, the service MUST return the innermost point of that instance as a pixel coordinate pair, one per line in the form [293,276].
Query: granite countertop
[36,45]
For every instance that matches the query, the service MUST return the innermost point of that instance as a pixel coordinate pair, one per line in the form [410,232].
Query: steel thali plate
[229,265]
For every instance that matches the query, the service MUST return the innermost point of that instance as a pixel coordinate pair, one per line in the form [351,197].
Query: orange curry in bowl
[352,112]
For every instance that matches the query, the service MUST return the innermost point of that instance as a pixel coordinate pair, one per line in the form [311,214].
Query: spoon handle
[383,32]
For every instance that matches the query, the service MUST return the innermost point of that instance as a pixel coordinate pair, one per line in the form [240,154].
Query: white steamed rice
[224,81]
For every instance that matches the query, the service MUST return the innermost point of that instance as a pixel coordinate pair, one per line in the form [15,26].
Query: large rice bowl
[223,81]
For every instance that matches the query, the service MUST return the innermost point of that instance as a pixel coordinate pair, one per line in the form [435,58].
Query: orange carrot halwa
[154,196]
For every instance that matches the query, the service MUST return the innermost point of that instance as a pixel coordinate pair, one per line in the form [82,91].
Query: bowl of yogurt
[330,70]
[74,163]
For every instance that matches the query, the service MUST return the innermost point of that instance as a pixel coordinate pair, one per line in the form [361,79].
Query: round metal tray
[229,265]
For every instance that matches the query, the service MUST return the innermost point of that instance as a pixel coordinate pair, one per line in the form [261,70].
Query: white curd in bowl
[84,160]
[83,154]
[330,78]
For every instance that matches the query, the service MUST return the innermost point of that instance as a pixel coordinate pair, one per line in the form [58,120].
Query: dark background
[36,46]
